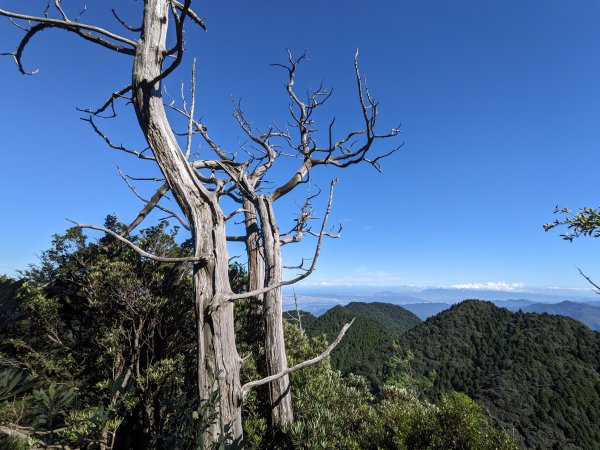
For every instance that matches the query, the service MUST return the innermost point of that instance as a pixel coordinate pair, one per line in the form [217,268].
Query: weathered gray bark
[256,262]
[218,361]
[280,398]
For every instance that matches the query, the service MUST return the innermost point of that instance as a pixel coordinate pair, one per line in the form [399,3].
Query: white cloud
[490,285]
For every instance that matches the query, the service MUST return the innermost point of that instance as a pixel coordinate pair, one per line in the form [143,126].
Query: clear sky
[499,104]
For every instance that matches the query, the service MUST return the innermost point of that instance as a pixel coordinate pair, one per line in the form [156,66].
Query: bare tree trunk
[256,264]
[280,397]
[218,360]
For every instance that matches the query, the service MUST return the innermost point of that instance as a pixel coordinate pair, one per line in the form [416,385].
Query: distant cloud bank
[490,285]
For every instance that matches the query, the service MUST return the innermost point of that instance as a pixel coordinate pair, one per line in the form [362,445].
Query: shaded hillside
[536,373]
[367,345]
[584,312]
[426,310]
[394,317]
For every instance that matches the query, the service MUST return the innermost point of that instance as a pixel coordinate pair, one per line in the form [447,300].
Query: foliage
[535,374]
[393,317]
[584,222]
[106,347]
[335,412]
[97,319]
[14,382]
[8,299]
[14,443]
[367,345]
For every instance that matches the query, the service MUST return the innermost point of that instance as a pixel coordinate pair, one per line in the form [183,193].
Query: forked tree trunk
[218,360]
[280,398]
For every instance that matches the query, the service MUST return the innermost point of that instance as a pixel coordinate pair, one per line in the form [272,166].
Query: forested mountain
[536,373]
[392,316]
[102,350]
[367,346]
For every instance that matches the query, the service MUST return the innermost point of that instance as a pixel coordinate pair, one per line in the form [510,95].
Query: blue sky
[499,105]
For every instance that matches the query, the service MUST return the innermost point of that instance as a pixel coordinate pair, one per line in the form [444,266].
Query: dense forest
[363,351]
[536,375]
[97,351]
[536,372]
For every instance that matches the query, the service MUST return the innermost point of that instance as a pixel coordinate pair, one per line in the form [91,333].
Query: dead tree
[199,185]
[351,148]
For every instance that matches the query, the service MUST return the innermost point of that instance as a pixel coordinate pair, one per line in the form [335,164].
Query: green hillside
[536,374]
[392,316]
[368,344]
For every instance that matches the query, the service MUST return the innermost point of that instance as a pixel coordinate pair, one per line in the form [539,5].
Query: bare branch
[129,27]
[201,129]
[190,131]
[65,23]
[109,102]
[195,18]
[232,297]
[144,178]
[341,152]
[329,234]
[115,146]
[589,280]
[294,181]
[236,238]
[142,252]
[299,266]
[84,30]
[252,384]
[301,221]
[60,10]
[235,212]
[151,204]
[179,21]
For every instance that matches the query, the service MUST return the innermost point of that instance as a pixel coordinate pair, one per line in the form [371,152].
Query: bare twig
[151,204]
[109,102]
[589,280]
[299,267]
[115,146]
[232,297]
[195,18]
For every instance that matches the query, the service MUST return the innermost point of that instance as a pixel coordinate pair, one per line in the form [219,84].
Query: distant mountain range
[429,302]
[586,313]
